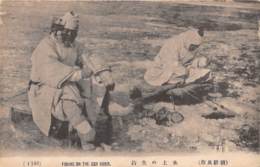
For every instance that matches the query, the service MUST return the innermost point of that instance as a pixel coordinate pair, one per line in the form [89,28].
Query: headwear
[166,65]
[191,37]
[69,21]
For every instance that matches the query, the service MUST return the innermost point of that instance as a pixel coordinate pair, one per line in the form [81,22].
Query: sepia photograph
[130,83]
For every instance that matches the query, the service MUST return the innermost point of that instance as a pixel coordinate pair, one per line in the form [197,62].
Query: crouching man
[57,67]
[176,64]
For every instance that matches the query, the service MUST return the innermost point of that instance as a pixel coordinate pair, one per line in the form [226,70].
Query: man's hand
[110,86]
[107,80]
[193,47]
[86,72]
[200,62]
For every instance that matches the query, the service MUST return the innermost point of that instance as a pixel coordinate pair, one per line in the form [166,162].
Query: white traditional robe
[169,65]
[52,66]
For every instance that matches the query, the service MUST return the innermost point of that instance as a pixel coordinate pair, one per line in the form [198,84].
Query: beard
[68,37]
[67,43]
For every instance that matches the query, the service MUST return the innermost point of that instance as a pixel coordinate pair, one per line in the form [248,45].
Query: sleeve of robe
[80,52]
[84,85]
[51,71]
[185,57]
[170,59]
[165,64]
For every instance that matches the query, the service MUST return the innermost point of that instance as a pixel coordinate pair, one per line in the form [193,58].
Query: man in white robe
[176,64]
[57,68]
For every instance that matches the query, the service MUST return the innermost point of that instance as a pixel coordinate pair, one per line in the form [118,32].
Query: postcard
[129,83]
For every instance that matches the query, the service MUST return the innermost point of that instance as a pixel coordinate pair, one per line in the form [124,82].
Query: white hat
[69,21]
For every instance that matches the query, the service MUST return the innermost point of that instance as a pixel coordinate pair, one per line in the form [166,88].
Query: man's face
[193,47]
[68,37]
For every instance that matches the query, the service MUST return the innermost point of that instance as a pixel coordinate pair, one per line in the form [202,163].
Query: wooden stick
[156,93]
[149,97]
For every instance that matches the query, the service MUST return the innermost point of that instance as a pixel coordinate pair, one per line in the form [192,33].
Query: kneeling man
[176,64]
